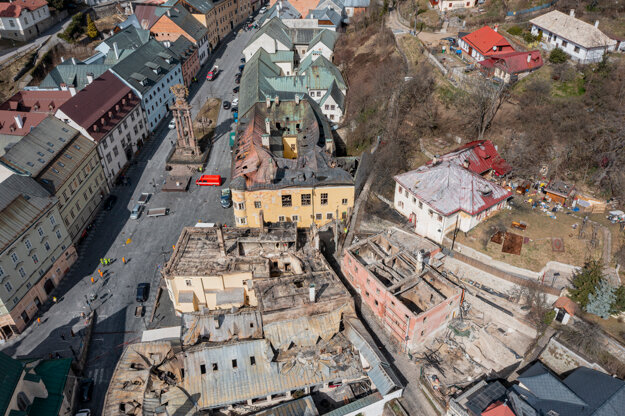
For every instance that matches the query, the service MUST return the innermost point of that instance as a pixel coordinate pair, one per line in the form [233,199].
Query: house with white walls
[23,20]
[583,42]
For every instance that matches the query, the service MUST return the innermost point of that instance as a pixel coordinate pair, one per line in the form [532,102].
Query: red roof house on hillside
[478,156]
[509,66]
[24,19]
[483,43]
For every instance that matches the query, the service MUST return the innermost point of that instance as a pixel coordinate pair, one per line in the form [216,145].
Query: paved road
[146,243]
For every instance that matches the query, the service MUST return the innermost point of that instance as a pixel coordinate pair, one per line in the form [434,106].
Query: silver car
[136,212]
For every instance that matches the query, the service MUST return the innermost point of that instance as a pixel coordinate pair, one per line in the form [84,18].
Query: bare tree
[482,103]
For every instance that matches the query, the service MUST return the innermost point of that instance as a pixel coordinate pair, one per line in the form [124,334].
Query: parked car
[136,212]
[172,125]
[212,74]
[86,389]
[235,89]
[262,10]
[226,198]
[144,198]
[226,105]
[143,292]
[83,412]
[110,202]
[241,67]
[242,60]
[235,109]
[237,80]
[235,102]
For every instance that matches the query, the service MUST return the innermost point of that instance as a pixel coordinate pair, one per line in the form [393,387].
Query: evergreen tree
[585,282]
[600,302]
[619,303]
[92,30]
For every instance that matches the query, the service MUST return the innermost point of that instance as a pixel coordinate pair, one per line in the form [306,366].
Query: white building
[322,45]
[450,192]
[582,41]
[272,37]
[445,5]
[109,113]
[151,71]
[23,19]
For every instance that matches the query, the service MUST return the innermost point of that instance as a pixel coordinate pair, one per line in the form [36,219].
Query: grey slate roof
[327,37]
[203,6]
[286,11]
[136,67]
[72,74]
[128,38]
[186,21]
[336,94]
[300,407]
[275,29]
[325,14]
[356,3]
[182,47]
[484,397]
[302,36]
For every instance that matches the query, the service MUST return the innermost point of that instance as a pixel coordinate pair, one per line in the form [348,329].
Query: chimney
[311,293]
[116,50]
[63,86]
[596,23]
[168,12]
[18,121]
[268,102]
[261,221]
[572,13]
[62,59]
[420,256]
[89,78]
[72,90]
[73,61]
[267,126]
[465,164]
[110,114]
[222,243]
[529,57]
[296,99]
[496,28]
[435,160]
[277,100]
[265,141]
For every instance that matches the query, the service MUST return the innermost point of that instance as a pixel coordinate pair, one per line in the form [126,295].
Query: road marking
[95,375]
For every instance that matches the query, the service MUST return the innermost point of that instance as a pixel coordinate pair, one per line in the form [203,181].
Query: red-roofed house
[452,191]
[565,308]
[25,110]
[24,19]
[498,409]
[108,112]
[483,43]
[511,66]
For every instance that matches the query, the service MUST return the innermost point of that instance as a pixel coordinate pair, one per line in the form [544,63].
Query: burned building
[396,275]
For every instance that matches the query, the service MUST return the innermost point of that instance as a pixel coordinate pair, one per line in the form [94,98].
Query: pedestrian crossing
[98,375]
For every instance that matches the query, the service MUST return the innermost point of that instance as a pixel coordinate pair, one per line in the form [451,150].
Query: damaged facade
[396,276]
[287,330]
[453,191]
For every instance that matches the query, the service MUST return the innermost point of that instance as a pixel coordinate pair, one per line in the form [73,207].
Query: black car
[235,109]
[237,80]
[241,67]
[143,290]
[243,60]
[86,388]
[110,202]
[226,105]
[235,89]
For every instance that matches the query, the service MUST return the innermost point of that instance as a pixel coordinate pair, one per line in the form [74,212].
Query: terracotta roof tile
[14,9]
[488,42]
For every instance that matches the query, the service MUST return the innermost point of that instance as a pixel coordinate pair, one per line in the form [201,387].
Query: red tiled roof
[302,6]
[14,9]
[515,62]
[42,101]
[488,42]
[567,304]
[481,155]
[101,105]
[498,409]
[146,14]
[9,126]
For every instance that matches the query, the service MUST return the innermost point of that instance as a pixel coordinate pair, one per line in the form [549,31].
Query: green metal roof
[282,56]
[54,375]
[336,94]
[71,74]
[275,29]
[129,38]
[9,377]
[327,37]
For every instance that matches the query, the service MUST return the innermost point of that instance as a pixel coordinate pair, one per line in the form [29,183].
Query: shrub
[92,30]
[529,38]
[548,317]
[515,30]
[74,28]
[558,56]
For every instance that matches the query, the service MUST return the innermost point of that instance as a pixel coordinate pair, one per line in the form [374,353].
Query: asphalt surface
[145,243]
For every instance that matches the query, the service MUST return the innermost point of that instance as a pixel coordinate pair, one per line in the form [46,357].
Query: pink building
[396,274]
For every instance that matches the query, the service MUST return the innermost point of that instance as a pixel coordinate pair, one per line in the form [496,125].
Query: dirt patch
[108,23]
[206,120]
[512,244]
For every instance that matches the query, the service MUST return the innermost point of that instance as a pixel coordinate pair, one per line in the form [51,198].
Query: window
[14,258]
[8,287]
[115,151]
[281,218]
[366,293]
[324,199]
[440,218]
[400,189]
[47,246]
[241,221]
[295,218]
[239,205]
[21,272]
[564,44]
[40,231]
[35,258]
[305,200]
[12,22]
[28,286]
[257,204]
[234,363]
[344,201]
[58,234]
[329,216]
[286,200]
[1,271]
[576,49]
[109,158]
[327,107]
[203,368]
[187,282]
[332,107]
[420,204]
[252,360]
[28,245]
[52,220]
[318,217]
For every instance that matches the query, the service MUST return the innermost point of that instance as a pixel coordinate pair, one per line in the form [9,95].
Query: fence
[533,9]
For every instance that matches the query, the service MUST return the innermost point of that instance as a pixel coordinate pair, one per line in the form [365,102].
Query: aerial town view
[312,207]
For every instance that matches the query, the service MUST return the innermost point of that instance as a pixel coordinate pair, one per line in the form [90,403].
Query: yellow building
[220,17]
[214,268]
[283,167]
